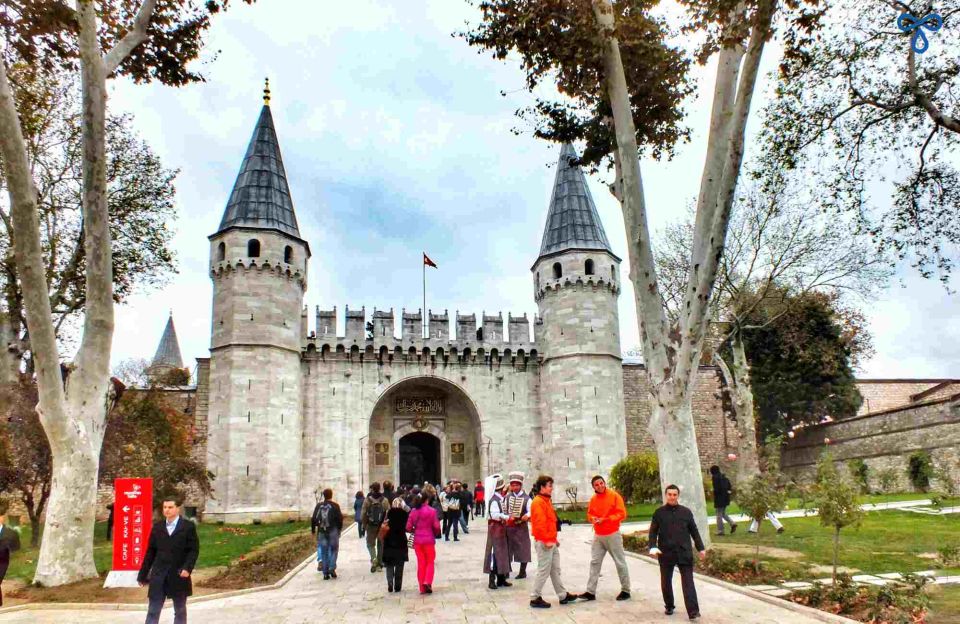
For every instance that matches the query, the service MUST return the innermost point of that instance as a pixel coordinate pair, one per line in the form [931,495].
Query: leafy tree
[637,477]
[25,462]
[147,436]
[133,372]
[800,365]
[596,53]
[837,501]
[139,197]
[776,250]
[874,128]
[149,40]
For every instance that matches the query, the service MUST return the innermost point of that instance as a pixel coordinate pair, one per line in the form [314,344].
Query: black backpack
[375,511]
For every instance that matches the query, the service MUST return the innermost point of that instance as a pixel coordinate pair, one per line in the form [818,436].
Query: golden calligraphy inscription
[419,405]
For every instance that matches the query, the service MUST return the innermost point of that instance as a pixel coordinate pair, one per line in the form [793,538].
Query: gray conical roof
[572,220]
[261,196]
[168,353]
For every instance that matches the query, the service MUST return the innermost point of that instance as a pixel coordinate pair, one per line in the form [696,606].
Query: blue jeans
[328,545]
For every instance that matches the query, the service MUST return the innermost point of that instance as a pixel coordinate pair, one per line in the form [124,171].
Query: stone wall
[716,435]
[884,441]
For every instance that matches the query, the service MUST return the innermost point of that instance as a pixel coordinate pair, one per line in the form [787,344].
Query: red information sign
[132,520]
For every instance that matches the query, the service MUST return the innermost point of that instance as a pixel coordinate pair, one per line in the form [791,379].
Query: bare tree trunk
[836,552]
[675,437]
[671,357]
[73,417]
[741,398]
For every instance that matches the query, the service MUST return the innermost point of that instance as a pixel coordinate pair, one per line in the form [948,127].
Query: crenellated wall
[517,342]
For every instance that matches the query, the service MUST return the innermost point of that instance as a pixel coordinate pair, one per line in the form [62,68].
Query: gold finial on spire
[266,92]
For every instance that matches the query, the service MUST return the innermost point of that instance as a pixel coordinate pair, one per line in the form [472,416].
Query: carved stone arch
[458,422]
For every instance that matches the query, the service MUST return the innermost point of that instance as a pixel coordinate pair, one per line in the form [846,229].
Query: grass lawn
[219,545]
[944,604]
[641,512]
[887,541]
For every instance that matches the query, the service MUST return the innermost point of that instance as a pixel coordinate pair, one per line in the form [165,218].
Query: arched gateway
[425,429]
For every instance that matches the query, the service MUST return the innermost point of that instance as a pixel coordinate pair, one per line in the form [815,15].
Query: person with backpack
[327,522]
[721,499]
[374,512]
[394,532]
[451,514]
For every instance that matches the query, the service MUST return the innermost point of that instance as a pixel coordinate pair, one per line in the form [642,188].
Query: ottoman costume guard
[518,529]
[496,560]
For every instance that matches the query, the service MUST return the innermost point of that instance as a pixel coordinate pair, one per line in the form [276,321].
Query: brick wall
[715,433]
[883,441]
[880,395]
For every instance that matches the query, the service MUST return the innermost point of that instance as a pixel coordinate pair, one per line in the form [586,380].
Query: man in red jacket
[605,512]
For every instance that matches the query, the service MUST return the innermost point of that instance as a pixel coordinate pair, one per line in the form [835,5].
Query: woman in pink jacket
[425,526]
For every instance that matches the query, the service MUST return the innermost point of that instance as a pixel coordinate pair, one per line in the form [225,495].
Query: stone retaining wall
[884,441]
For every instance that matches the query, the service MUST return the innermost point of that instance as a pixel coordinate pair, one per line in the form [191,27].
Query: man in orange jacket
[543,523]
[605,512]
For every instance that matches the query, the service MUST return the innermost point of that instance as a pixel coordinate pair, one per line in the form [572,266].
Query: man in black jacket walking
[171,555]
[9,543]
[721,499]
[671,531]
[327,523]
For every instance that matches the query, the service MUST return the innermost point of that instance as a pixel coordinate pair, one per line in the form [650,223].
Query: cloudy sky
[396,140]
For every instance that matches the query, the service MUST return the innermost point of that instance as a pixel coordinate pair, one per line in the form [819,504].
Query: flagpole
[423,330]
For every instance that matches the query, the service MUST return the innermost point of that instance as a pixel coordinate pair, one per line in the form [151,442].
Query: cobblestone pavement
[460,595]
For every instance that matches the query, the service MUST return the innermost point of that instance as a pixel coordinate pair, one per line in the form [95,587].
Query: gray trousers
[603,544]
[548,565]
[179,610]
[721,515]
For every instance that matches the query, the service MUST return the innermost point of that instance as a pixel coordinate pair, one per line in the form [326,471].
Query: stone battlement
[225,267]
[375,334]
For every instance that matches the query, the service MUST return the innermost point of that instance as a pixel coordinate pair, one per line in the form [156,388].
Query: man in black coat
[721,499]
[9,542]
[671,531]
[171,555]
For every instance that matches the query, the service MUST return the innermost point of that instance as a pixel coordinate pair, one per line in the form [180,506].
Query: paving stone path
[787,588]
[460,595]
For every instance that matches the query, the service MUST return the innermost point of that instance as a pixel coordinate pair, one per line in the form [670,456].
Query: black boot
[523,571]
[502,581]
[493,581]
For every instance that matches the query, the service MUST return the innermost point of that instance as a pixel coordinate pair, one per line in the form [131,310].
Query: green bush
[948,555]
[920,470]
[887,480]
[860,473]
[637,478]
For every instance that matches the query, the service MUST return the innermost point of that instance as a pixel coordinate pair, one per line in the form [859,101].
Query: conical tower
[258,264]
[167,356]
[576,285]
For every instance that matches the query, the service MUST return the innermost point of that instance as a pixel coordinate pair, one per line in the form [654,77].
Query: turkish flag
[427,261]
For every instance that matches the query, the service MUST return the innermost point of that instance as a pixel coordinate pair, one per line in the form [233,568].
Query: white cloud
[396,141]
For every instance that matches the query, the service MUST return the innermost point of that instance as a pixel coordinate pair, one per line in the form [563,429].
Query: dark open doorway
[419,458]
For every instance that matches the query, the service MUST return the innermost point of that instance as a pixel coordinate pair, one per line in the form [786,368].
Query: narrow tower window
[613,273]
[588,267]
[288,254]
[557,271]
[221,252]
[253,248]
